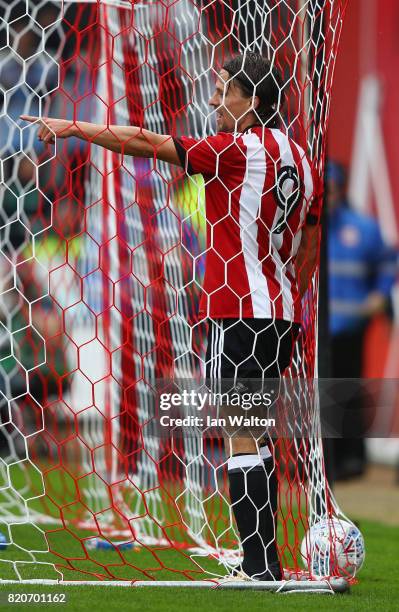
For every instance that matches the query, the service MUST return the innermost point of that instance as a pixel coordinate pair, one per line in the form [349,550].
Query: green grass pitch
[377,589]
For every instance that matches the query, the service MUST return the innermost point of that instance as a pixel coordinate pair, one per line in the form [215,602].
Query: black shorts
[240,349]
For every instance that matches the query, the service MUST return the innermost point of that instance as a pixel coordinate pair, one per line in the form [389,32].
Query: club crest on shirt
[350,236]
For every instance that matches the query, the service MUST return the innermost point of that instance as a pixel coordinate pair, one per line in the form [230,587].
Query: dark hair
[256,75]
[336,172]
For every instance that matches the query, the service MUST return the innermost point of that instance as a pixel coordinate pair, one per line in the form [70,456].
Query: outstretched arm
[127,140]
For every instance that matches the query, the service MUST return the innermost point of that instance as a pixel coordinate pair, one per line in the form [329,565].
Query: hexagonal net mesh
[102,261]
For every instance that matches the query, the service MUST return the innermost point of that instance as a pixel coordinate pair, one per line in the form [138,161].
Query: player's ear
[256,102]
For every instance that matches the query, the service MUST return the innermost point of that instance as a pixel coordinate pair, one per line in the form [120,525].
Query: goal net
[102,263]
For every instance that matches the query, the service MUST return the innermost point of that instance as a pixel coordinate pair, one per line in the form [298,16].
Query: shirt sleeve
[211,156]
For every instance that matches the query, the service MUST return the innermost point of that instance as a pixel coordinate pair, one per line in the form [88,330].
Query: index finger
[29,118]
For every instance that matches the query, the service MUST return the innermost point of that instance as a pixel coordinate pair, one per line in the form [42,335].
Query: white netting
[101,276]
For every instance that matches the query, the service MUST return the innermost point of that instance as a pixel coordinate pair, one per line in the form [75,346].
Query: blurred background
[363,138]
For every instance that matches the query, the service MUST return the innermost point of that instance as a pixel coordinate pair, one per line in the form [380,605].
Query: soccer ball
[333,547]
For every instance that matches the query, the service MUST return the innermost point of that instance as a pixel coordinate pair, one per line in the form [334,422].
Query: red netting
[109,255]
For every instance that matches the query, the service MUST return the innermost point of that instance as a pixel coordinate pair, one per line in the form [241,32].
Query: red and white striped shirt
[259,189]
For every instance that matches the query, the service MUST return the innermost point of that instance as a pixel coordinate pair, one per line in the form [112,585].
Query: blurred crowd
[38,212]
[362,271]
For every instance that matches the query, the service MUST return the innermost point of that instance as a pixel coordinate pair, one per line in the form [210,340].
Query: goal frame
[302,585]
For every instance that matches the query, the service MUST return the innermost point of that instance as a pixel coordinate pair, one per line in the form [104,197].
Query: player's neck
[248,122]
[251,126]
